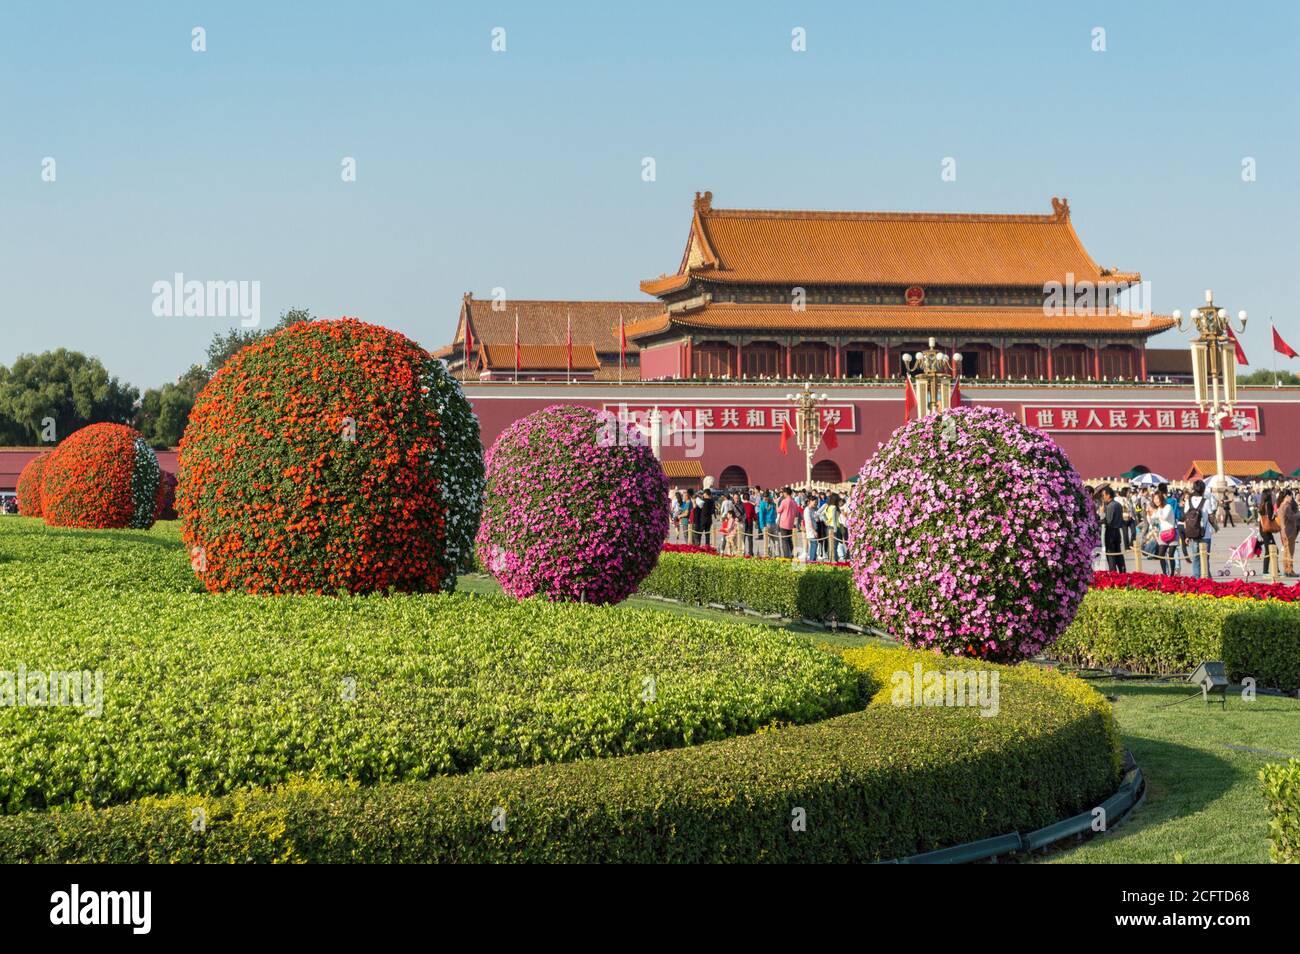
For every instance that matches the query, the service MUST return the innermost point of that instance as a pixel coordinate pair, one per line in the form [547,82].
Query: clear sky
[523,168]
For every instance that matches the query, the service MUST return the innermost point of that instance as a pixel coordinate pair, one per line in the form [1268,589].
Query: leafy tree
[73,389]
[1264,376]
[224,346]
[164,411]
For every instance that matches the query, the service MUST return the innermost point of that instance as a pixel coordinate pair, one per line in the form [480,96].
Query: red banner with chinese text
[1134,418]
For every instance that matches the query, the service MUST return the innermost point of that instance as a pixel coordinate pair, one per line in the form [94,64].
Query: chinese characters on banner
[731,417]
[1244,422]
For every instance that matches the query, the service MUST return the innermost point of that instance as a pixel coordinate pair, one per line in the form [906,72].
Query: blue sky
[522,169]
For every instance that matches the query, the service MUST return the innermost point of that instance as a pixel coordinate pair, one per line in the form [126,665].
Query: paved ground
[1224,541]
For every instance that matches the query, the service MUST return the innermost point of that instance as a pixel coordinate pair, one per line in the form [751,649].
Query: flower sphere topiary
[330,456]
[104,476]
[972,534]
[29,486]
[167,496]
[576,507]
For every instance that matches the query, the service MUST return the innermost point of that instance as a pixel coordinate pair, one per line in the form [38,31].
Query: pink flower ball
[972,534]
[576,507]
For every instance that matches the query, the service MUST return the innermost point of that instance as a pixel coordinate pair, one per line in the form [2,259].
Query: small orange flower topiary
[104,476]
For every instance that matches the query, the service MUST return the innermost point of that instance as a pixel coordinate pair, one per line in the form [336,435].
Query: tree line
[72,390]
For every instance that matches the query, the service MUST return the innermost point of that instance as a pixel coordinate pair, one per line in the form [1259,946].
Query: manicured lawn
[1204,803]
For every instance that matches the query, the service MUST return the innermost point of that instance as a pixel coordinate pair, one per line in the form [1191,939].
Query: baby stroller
[1241,555]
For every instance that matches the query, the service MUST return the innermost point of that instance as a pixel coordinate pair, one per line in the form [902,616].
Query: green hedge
[1165,633]
[879,783]
[1282,792]
[1133,629]
[798,591]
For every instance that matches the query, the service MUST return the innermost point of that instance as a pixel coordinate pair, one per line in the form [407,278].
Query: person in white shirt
[810,527]
[1162,521]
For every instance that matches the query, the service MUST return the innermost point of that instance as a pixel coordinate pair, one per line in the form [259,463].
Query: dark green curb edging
[1130,792]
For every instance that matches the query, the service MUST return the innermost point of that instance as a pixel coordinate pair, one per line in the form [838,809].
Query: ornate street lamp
[1214,361]
[807,424]
[932,374]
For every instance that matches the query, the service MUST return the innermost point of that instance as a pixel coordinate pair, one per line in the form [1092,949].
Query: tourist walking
[1288,518]
[1269,530]
[1112,522]
[810,527]
[1166,530]
[1198,525]
[767,523]
[787,513]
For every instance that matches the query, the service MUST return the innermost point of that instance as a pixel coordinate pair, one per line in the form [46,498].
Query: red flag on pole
[1281,347]
[1241,353]
[622,343]
[955,399]
[517,346]
[469,345]
[829,437]
[787,432]
[909,400]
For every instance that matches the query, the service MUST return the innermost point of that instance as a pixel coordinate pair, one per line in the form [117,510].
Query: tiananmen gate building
[764,300]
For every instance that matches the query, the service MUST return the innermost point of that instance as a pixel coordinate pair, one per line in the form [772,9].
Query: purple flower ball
[576,507]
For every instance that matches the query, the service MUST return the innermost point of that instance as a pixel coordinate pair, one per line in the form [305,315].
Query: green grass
[1204,803]
[207,693]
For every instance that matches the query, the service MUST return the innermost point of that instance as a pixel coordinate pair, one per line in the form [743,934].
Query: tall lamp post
[1214,361]
[807,425]
[932,374]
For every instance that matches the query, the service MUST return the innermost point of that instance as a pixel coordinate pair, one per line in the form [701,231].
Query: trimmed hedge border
[1158,633]
[1282,792]
[1139,630]
[875,784]
[766,586]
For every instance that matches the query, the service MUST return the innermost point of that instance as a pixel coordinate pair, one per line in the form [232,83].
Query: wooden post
[1272,562]
[1204,550]
[1137,554]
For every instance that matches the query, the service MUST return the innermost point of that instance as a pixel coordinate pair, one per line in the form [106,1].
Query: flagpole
[1273,327]
[568,343]
[622,348]
[516,346]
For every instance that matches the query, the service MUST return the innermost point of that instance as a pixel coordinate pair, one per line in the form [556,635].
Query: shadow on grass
[1181,781]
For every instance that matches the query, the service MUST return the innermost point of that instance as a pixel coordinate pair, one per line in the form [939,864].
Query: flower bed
[1199,586]
[1282,792]
[331,456]
[880,783]
[102,476]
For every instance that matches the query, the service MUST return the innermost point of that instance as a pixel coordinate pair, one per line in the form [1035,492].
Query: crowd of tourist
[1173,526]
[751,521]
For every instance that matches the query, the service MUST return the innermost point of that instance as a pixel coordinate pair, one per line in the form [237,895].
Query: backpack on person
[1193,528]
